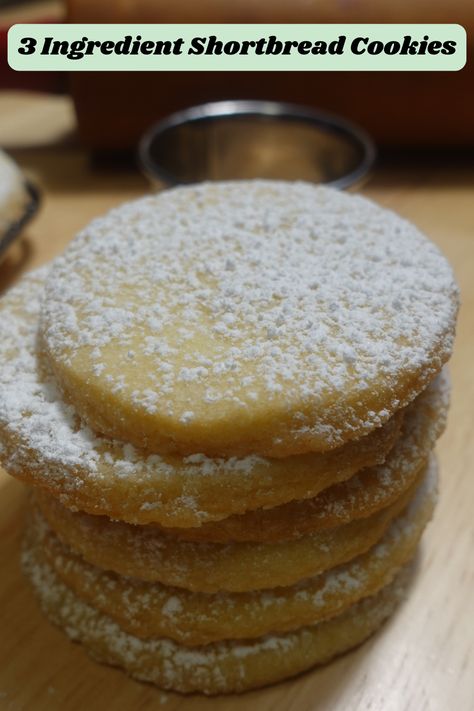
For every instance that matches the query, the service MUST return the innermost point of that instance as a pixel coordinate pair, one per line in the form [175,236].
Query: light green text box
[32,47]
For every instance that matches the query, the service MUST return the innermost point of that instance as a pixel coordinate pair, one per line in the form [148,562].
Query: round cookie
[149,610]
[247,317]
[43,442]
[144,552]
[219,668]
[360,496]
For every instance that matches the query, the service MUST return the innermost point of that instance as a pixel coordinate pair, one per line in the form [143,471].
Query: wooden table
[423,659]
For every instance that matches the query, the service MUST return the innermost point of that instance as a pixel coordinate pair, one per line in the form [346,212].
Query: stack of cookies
[225,398]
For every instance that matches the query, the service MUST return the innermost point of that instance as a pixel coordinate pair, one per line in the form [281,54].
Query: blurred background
[76,136]
[75,139]
[398,109]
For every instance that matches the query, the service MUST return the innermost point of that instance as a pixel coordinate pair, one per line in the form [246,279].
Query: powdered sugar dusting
[146,553]
[42,436]
[252,296]
[152,609]
[216,668]
[367,491]
[424,422]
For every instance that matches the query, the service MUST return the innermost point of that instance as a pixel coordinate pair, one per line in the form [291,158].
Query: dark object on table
[16,228]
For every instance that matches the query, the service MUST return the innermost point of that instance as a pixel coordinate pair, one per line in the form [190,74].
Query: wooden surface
[423,659]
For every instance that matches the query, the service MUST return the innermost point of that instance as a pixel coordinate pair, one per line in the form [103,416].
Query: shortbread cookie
[190,618]
[43,442]
[358,497]
[144,552]
[248,317]
[219,668]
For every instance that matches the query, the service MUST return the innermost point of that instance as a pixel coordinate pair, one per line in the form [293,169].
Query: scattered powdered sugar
[145,552]
[42,437]
[301,297]
[215,668]
[172,607]
[365,492]
[41,433]
[424,422]
[187,617]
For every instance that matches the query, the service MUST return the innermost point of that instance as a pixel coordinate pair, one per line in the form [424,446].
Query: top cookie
[232,318]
